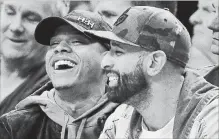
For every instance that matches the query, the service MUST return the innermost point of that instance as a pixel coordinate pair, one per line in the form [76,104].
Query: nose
[195,18]
[62,47]
[107,61]
[16,25]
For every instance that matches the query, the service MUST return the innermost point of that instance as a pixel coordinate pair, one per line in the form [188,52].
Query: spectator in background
[213,75]
[22,63]
[111,10]
[80,5]
[201,55]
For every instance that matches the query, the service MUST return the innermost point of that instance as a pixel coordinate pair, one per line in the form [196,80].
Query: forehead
[111,5]
[67,30]
[39,7]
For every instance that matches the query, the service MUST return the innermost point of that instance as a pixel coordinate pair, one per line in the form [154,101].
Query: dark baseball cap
[153,29]
[79,19]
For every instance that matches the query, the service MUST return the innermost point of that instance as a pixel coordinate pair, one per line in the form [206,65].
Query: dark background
[185,10]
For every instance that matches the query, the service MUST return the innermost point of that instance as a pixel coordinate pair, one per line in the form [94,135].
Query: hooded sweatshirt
[50,121]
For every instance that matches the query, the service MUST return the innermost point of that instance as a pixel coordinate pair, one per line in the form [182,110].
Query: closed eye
[9,10]
[77,43]
[108,14]
[54,44]
[118,53]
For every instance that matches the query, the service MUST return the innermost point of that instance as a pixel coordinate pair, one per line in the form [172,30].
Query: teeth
[63,62]
[113,79]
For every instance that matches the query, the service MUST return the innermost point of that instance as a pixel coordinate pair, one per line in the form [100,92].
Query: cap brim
[109,36]
[46,28]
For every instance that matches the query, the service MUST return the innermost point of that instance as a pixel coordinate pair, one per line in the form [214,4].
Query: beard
[128,85]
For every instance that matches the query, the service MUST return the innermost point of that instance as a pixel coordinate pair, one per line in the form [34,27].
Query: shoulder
[117,122]
[17,119]
[208,120]
[122,114]
[123,111]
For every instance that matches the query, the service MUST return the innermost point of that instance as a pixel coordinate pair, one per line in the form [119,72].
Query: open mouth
[113,79]
[64,65]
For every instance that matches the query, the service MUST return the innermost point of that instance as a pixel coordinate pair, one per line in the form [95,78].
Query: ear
[155,62]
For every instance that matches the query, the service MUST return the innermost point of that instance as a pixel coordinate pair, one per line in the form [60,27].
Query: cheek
[30,29]
[47,59]
[93,60]
[127,64]
[5,22]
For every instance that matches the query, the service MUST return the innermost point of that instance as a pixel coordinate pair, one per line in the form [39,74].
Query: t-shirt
[165,132]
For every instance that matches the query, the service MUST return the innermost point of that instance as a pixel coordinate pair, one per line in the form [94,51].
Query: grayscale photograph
[109,69]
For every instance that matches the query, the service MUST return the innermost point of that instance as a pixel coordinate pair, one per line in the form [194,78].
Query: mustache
[128,85]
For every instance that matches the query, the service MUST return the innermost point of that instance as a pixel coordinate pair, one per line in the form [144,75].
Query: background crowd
[22,62]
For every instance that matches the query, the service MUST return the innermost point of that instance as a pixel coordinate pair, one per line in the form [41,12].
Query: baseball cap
[79,19]
[153,29]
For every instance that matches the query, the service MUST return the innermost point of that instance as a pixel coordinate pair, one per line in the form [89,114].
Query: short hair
[61,7]
[58,7]
[74,4]
[171,5]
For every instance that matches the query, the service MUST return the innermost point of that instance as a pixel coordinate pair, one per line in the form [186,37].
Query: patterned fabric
[153,29]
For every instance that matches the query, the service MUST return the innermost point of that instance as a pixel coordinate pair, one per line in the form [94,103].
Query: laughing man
[77,106]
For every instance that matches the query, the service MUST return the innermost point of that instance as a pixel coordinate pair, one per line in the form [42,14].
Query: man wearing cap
[146,69]
[77,106]
[22,69]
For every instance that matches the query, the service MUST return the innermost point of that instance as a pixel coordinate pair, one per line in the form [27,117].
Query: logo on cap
[122,17]
[86,21]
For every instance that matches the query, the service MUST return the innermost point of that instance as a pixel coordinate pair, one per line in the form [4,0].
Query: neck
[158,107]
[16,67]
[79,99]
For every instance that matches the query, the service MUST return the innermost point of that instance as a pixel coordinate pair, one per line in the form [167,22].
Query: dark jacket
[51,122]
[36,80]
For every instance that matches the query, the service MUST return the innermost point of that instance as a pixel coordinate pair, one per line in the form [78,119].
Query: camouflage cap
[153,29]
[79,19]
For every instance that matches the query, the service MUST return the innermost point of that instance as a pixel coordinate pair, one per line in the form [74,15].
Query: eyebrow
[213,6]
[9,6]
[28,12]
[116,45]
[108,12]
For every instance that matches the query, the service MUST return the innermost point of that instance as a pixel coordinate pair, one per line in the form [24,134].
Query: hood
[49,106]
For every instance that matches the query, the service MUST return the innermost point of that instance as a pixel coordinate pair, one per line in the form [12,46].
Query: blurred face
[201,19]
[123,64]
[214,26]
[110,10]
[18,22]
[73,59]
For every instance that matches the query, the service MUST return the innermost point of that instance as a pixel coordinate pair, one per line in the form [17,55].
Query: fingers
[32,100]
